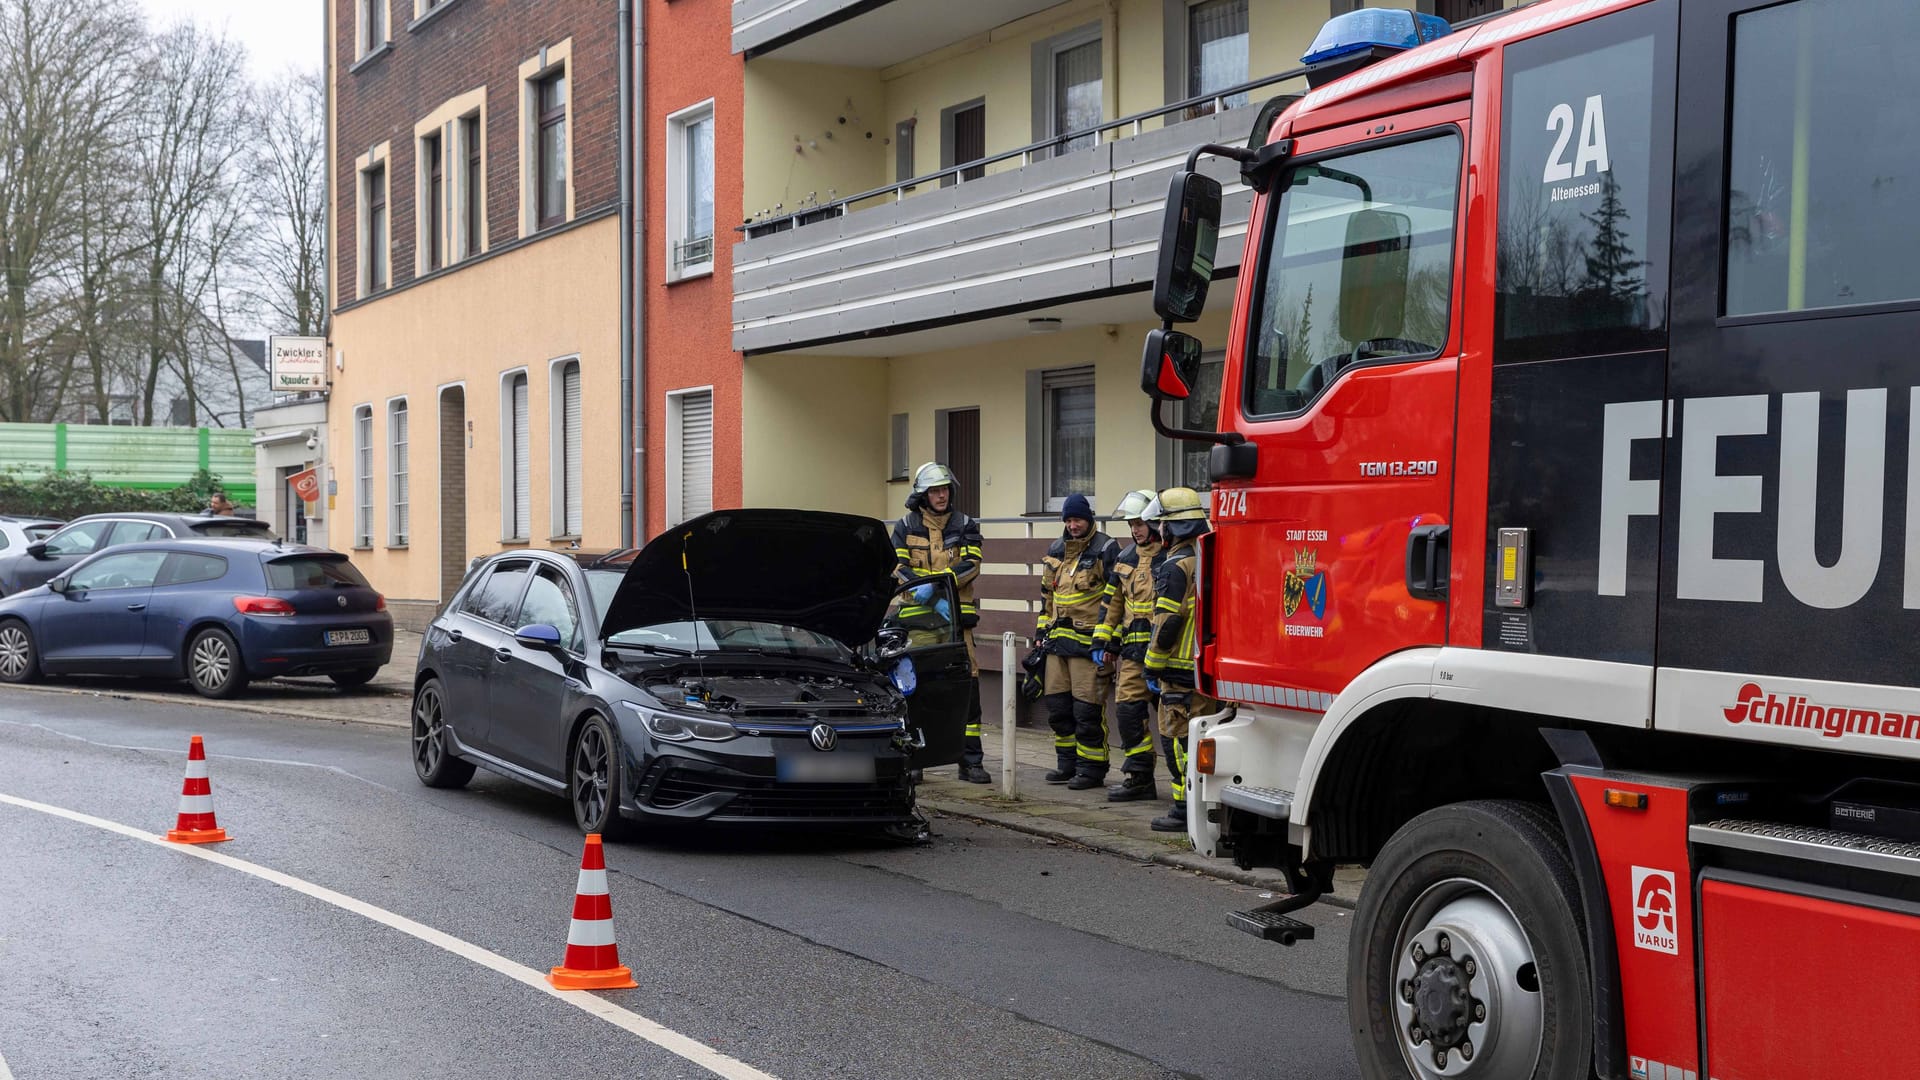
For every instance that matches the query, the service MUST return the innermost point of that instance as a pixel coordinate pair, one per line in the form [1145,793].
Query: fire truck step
[1264,801]
[1270,926]
[1811,843]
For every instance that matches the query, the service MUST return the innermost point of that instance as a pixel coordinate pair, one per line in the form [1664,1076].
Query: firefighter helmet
[1177,504]
[1133,505]
[933,475]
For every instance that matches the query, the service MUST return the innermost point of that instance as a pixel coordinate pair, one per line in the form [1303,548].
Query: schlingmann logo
[1753,705]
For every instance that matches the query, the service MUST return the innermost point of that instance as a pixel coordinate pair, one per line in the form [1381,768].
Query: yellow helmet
[1133,505]
[1177,504]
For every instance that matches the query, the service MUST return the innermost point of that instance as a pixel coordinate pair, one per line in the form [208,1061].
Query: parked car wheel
[19,658]
[213,664]
[593,780]
[348,680]
[433,760]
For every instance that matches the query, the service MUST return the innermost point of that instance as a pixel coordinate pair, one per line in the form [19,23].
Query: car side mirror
[1189,235]
[1169,365]
[58,585]
[891,644]
[38,549]
[538,636]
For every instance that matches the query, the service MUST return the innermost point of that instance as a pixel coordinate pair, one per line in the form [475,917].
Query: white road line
[682,1046]
[5,1074]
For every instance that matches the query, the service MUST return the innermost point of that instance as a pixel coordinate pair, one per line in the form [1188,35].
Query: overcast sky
[278,34]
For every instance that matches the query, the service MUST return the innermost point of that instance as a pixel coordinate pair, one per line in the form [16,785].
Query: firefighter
[936,538]
[1128,626]
[1074,589]
[1170,653]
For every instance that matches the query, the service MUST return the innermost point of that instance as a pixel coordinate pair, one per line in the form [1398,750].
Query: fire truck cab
[1566,546]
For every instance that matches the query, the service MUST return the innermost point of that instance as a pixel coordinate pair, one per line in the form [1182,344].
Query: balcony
[1017,230]
[864,32]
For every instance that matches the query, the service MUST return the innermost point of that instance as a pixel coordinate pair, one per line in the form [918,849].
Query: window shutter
[521,482]
[571,493]
[696,454]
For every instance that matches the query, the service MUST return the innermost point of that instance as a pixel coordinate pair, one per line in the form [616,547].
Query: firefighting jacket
[1129,621]
[1074,589]
[1170,654]
[928,544]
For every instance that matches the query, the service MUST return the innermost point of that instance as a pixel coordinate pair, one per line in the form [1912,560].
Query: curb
[1143,851]
[230,706]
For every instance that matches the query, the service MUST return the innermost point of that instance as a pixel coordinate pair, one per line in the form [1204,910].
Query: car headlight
[676,728]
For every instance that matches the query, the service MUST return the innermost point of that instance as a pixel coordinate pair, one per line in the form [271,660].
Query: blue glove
[921,594]
[1100,657]
[943,609]
[1153,685]
[904,679]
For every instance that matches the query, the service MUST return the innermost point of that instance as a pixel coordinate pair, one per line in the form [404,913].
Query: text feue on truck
[1566,555]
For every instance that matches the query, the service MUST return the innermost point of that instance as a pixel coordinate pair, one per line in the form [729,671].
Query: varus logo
[1653,911]
[1752,705]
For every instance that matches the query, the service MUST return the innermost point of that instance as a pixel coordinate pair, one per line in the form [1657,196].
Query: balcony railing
[690,253]
[1053,146]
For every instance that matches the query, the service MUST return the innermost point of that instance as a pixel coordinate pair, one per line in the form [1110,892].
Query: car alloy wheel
[212,661]
[593,781]
[433,761]
[16,653]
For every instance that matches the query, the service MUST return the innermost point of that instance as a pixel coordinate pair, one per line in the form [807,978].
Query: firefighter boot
[1060,719]
[1090,745]
[1175,819]
[974,774]
[1133,787]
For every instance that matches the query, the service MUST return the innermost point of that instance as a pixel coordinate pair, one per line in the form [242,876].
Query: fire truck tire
[1468,954]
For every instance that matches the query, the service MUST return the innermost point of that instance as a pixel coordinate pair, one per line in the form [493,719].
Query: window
[397,493]
[550,180]
[549,601]
[313,572]
[133,570]
[135,532]
[363,476]
[497,600]
[434,206]
[1358,269]
[78,539]
[1217,45]
[515,440]
[689,454]
[1075,87]
[565,424]
[373,25]
[1066,417]
[373,195]
[963,138]
[1586,153]
[473,192]
[187,569]
[903,164]
[690,192]
[1459,10]
[180,412]
[1821,162]
[897,448]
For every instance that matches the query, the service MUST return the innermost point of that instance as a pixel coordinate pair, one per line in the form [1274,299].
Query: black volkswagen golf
[747,667]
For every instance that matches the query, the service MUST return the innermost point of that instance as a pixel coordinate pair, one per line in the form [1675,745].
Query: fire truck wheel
[1468,954]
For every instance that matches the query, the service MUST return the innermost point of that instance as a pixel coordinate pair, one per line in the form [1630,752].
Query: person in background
[1074,589]
[1123,637]
[219,505]
[1170,654]
[936,538]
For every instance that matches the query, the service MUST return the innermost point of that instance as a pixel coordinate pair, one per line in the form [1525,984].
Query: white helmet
[1133,506]
[933,475]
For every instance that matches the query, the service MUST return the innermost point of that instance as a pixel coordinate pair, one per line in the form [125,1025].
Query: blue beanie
[1077,506]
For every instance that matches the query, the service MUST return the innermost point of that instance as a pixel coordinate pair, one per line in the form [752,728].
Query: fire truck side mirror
[1188,237]
[1169,365]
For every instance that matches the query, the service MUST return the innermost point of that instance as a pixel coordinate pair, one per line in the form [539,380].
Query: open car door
[928,613]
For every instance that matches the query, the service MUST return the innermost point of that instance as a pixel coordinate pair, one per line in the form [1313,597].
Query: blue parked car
[219,613]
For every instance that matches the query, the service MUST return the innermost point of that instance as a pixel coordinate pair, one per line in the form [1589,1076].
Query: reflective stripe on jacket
[1170,655]
[956,552]
[1129,617]
[1074,589]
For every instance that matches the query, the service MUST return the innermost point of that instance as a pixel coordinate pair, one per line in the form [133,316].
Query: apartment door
[963,138]
[960,439]
[453,490]
[293,509]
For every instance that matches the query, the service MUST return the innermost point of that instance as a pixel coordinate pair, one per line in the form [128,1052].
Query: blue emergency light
[1371,28]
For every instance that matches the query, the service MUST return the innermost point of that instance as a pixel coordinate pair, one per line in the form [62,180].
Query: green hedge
[63,496]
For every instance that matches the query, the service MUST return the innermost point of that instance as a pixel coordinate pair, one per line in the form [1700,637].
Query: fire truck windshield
[1358,266]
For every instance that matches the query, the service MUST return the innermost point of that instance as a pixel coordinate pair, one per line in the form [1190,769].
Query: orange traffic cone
[196,824]
[593,960]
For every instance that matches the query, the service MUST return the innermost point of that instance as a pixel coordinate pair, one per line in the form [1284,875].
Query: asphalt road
[985,954]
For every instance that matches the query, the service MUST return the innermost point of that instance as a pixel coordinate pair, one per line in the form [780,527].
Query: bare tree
[290,179]
[64,92]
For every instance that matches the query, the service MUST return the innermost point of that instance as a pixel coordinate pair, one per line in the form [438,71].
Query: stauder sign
[298,363]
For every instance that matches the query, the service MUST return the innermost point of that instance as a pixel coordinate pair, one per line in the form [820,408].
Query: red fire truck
[1566,505]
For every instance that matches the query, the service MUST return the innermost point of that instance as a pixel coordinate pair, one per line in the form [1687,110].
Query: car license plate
[349,637]
[826,768]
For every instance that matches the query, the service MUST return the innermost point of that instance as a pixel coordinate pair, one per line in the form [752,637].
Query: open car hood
[829,573]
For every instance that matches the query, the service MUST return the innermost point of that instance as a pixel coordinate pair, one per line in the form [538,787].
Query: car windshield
[313,572]
[732,636]
[603,584]
[241,527]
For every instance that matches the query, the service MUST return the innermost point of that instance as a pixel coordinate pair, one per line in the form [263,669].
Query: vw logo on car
[822,736]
